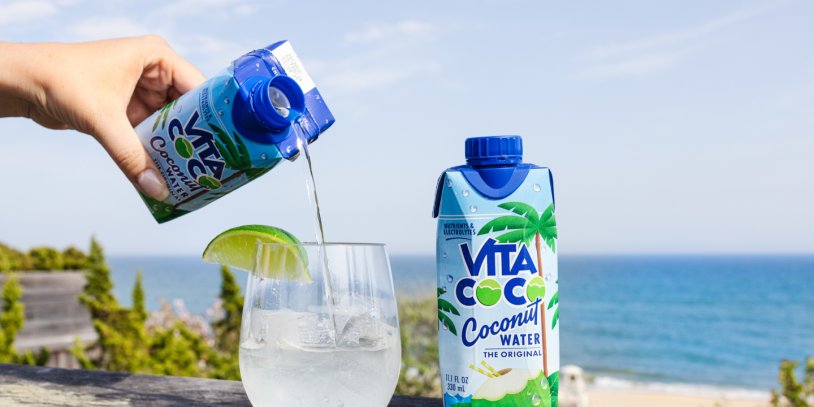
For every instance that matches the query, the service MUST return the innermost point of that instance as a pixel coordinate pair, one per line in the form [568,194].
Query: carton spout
[307,113]
[271,105]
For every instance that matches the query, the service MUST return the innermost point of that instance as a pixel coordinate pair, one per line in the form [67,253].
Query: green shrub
[129,342]
[419,347]
[13,260]
[46,258]
[73,259]
[41,258]
[12,320]
[792,392]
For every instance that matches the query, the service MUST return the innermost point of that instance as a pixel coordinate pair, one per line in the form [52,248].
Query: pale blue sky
[671,126]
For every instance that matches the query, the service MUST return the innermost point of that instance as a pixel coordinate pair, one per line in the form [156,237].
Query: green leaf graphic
[504,223]
[164,119]
[554,386]
[446,306]
[447,322]
[522,209]
[555,299]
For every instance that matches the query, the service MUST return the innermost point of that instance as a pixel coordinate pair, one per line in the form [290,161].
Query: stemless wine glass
[311,337]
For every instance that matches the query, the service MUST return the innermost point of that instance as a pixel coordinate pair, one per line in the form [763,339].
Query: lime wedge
[237,247]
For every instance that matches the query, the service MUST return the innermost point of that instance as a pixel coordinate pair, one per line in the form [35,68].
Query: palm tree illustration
[235,157]
[445,307]
[526,225]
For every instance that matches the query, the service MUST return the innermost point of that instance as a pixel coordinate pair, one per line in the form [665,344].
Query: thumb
[124,147]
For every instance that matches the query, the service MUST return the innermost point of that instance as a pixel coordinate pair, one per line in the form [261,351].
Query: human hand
[101,88]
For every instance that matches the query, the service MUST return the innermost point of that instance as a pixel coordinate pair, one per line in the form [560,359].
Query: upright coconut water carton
[497,279]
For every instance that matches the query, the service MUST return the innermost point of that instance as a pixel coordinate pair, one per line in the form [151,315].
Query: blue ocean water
[713,320]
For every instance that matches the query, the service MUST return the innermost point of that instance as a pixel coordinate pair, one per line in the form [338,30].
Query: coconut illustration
[488,292]
[208,182]
[535,289]
[184,147]
[514,388]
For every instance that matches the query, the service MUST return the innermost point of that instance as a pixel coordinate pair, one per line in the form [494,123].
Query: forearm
[20,85]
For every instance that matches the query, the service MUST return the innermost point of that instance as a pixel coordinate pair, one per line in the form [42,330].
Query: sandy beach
[628,398]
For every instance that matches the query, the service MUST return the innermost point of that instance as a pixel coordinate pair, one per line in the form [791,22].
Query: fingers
[185,76]
[124,147]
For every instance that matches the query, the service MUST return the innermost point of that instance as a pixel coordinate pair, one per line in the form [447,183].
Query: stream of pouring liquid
[319,234]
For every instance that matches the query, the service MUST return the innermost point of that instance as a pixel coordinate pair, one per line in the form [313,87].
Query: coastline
[611,392]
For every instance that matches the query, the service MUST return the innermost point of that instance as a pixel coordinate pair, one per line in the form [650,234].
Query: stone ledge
[41,386]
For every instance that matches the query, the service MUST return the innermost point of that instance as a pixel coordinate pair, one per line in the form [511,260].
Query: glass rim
[315,244]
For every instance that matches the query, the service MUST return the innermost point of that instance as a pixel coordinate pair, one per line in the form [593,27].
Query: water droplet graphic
[537,188]
[264,156]
[220,112]
[443,288]
[473,209]
[449,278]
[444,255]
[536,400]
[465,192]
[445,327]
[225,101]
[547,276]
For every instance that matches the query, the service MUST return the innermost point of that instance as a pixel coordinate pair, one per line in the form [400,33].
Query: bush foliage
[129,343]
[793,392]
[41,258]
[419,352]
[12,320]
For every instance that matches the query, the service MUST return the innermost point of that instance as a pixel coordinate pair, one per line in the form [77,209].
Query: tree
[46,258]
[12,320]
[13,260]
[122,339]
[528,225]
[98,292]
[139,309]
[227,329]
[73,259]
[176,351]
[5,259]
[128,343]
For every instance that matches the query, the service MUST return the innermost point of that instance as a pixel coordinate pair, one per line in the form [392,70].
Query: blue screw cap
[494,150]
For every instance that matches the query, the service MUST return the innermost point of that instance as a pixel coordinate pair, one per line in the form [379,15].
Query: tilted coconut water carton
[497,279]
[233,128]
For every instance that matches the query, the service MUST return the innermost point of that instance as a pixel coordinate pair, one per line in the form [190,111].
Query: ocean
[705,321]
